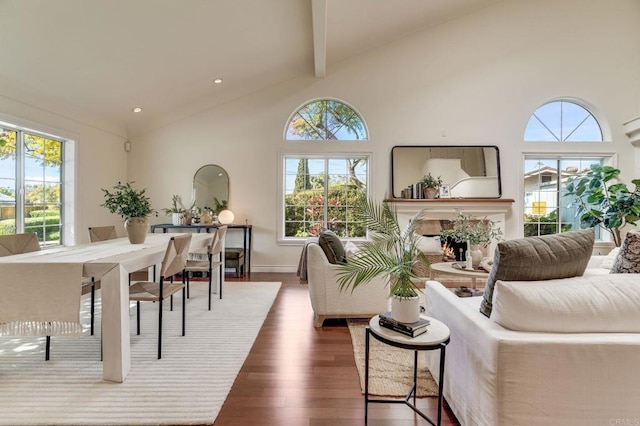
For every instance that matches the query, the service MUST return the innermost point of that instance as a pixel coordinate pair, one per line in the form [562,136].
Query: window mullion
[325,206]
[20,198]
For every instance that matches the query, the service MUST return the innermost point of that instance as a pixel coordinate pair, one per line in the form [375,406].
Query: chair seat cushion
[233,253]
[144,291]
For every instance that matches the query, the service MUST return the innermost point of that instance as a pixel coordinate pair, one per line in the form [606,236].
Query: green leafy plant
[601,202]
[428,181]
[176,205]
[219,205]
[390,252]
[126,201]
[477,231]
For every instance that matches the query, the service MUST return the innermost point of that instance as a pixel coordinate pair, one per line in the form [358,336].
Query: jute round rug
[390,369]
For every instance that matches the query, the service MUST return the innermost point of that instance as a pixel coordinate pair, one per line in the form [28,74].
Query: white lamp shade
[225,217]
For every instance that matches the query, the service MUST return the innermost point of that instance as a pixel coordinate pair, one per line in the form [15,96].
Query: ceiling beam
[319,20]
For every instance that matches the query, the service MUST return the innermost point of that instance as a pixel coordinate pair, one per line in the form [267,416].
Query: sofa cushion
[588,304]
[628,259]
[332,246]
[538,258]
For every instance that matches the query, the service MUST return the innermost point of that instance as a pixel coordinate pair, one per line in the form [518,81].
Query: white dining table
[110,262]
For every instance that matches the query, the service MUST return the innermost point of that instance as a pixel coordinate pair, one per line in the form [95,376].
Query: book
[409,327]
[414,333]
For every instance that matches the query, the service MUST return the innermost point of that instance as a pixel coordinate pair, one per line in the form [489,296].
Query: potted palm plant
[600,202]
[390,252]
[133,206]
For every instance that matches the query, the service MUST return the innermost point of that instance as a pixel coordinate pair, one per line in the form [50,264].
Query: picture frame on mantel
[445,191]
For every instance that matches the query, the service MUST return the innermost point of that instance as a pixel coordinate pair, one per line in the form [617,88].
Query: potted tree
[600,202]
[476,232]
[391,253]
[431,185]
[133,206]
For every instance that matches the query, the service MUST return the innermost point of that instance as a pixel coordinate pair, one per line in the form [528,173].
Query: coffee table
[448,269]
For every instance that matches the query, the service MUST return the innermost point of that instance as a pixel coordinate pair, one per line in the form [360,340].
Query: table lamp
[226,217]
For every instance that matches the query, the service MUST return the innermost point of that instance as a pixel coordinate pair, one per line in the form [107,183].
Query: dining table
[110,262]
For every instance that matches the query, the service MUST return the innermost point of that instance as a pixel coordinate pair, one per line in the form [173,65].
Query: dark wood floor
[297,375]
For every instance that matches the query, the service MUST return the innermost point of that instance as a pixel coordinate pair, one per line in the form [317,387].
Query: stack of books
[408,329]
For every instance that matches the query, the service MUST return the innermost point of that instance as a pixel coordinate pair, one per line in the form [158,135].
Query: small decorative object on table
[408,329]
[132,205]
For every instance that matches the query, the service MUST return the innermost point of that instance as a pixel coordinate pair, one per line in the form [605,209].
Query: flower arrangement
[477,231]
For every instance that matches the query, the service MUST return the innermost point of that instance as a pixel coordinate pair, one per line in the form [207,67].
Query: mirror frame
[194,195]
[420,173]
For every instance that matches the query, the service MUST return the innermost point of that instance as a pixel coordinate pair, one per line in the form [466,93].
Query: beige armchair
[329,302]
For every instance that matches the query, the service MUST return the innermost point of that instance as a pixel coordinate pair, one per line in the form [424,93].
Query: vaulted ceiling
[105,57]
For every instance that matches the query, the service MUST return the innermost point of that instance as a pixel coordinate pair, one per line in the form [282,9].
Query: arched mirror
[211,187]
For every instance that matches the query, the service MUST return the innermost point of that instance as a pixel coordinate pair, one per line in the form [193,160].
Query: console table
[246,237]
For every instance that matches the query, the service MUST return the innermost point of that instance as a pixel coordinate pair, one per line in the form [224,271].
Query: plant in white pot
[177,210]
[133,206]
[390,252]
[475,232]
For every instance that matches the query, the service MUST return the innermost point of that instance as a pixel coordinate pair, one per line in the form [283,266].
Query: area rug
[390,369]
[187,386]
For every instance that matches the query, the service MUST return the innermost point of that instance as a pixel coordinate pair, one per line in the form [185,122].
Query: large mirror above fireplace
[469,171]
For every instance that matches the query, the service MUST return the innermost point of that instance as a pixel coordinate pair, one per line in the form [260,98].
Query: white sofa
[329,302]
[495,376]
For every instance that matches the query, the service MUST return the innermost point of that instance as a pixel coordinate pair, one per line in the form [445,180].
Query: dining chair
[174,262]
[215,250]
[28,242]
[104,233]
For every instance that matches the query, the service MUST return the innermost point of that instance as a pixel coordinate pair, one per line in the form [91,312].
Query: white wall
[99,159]
[476,79]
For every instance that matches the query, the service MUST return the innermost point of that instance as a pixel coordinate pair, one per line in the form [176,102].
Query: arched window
[562,121]
[326,119]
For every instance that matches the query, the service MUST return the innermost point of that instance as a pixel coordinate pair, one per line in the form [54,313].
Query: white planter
[405,310]
[176,218]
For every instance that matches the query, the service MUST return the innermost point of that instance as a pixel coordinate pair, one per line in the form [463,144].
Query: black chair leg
[220,283]
[184,316]
[160,330]
[47,346]
[210,286]
[138,318]
[188,292]
[93,301]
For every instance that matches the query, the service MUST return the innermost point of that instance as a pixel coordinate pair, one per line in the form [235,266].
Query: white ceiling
[105,57]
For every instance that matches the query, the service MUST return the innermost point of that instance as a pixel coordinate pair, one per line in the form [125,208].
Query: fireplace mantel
[495,209]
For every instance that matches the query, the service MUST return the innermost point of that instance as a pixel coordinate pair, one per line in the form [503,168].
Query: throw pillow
[607,262]
[350,250]
[332,246]
[429,244]
[538,258]
[628,258]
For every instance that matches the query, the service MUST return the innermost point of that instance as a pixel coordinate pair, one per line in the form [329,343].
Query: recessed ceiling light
[137,109]
[217,80]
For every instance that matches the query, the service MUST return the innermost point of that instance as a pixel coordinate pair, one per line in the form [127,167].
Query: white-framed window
[31,183]
[326,119]
[563,121]
[546,208]
[320,192]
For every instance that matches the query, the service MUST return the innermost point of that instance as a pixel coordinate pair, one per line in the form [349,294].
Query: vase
[137,229]
[476,254]
[176,218]
[405,309]
[431,193]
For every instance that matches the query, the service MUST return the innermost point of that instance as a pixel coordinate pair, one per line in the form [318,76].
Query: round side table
[436,338]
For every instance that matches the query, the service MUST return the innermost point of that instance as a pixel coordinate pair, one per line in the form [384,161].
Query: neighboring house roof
[4,198]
